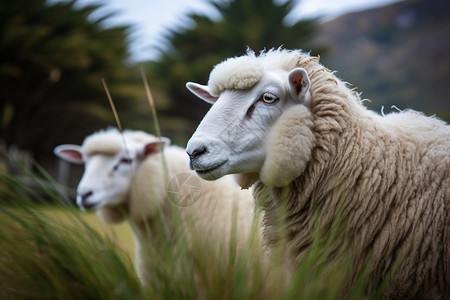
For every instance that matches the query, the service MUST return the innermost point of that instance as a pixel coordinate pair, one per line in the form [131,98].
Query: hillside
[396,55]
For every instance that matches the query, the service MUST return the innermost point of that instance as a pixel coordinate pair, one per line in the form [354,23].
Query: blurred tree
[192,52]
[52,59]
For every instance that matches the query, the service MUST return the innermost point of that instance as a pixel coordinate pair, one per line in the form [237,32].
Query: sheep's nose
[196,152]
[83,200]
[85,196]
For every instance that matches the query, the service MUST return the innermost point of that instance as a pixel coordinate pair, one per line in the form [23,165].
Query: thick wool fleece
[386,177]
[288,148]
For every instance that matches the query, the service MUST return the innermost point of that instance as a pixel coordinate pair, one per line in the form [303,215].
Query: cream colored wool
[236,76]
[389,175]
[105,141]
[297,137]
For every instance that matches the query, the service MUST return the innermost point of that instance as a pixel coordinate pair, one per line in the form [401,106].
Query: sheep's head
[259,123]
[111,161]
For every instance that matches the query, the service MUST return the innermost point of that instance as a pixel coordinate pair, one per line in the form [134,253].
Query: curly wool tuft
[237,73]
[111,141]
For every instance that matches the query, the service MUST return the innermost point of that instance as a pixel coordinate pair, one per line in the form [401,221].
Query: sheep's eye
[269,98]
[126,160]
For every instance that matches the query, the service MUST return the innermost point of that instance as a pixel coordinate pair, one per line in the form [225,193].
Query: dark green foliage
[52,59]
[192,52]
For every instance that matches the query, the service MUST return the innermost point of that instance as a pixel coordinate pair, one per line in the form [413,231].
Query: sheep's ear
[299,83]
[201,91]
[156,146]
[70,153]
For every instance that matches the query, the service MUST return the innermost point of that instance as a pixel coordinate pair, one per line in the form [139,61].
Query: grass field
[120,234]
[50,253]
[62,253]
[59,252]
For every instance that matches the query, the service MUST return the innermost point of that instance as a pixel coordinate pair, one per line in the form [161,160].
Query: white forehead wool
[111,142]
[244,72]
[107,142]
[237,73]
[139,136]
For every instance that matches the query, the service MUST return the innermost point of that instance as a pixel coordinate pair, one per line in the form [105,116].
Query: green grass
[44,258]
[61,253]
[120,234]
[58,252]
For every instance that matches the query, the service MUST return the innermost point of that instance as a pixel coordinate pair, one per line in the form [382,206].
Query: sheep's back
[393,175]
[399,183]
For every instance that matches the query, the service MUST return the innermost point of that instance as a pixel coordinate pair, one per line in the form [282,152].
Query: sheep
[286,125]
[125,178]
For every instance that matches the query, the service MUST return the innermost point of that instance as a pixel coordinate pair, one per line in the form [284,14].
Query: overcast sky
[151,18]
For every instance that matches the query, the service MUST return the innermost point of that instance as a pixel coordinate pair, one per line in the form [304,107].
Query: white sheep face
[107,178]
[232,136]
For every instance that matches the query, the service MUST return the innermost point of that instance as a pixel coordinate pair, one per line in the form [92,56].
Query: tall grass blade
[113,107]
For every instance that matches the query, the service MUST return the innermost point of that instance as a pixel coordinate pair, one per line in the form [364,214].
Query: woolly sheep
[124,177]
[288,126]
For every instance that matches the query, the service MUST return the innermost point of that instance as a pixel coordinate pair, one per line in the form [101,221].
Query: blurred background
[54,55]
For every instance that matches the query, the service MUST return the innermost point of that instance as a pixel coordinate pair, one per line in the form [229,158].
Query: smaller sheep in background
[125,178]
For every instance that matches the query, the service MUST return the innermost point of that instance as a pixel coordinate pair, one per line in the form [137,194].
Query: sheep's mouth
[88,206]
[207,173]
